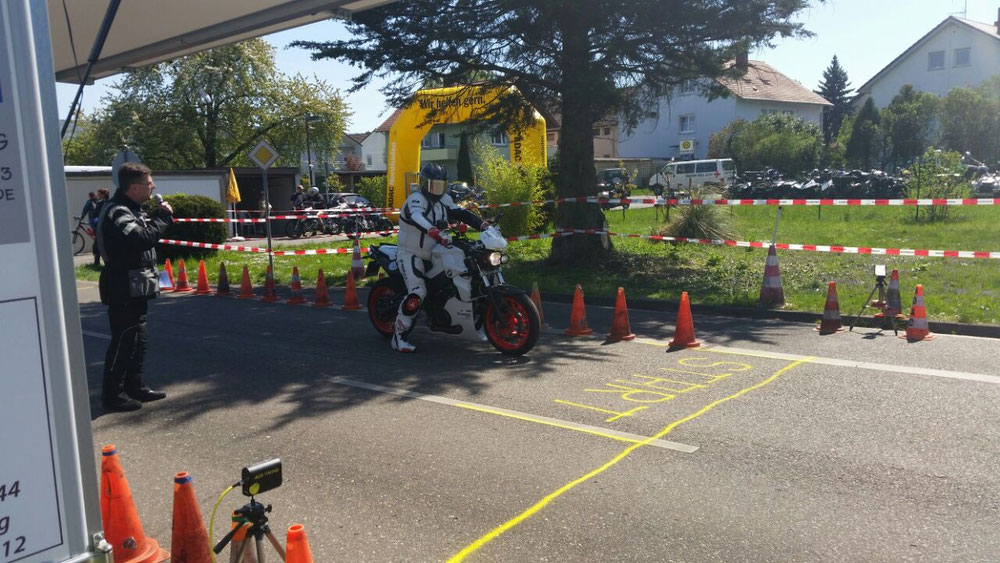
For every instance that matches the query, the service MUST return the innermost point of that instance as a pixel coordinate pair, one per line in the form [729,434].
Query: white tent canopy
[145,32]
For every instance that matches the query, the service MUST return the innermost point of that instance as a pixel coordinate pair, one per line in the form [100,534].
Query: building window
[369,160]
[607,131]
[498,138]
[935,60]
[550,136]
[687,123]
[687,87]
[433,141]
[963,56]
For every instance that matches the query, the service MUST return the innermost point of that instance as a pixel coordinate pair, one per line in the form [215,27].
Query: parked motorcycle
[462,298]
[984,183]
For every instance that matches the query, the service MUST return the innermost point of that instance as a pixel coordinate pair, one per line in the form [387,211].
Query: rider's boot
[403,325]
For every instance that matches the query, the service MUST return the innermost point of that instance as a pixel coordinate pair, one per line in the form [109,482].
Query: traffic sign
[687,146]
[264,155]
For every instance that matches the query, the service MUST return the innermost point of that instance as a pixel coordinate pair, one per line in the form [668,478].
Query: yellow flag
[233,191]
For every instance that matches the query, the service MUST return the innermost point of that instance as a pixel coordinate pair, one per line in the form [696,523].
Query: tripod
[888,321]
[254,519]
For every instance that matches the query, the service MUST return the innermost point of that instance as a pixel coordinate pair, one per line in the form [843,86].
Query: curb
[963,329]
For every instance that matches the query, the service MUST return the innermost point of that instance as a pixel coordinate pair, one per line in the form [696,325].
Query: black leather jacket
[128,237]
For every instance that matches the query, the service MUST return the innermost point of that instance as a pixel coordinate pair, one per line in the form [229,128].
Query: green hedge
[193,206]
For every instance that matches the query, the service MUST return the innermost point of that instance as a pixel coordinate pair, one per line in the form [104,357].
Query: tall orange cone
[189,540]
[578,316]
[357,265]
[182,278]
[297,547]
[222,289]
[203,287]
[166,280]
[684,331]
[270,294]
[250,553]
[894,301]
[831,313]
[297,298]
[351,301]
[322,294]
[536,298]
[122,527]
[620,329]
[246,287]
[916,329]
[771,292]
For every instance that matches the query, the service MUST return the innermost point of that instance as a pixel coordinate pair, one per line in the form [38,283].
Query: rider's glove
[436,234]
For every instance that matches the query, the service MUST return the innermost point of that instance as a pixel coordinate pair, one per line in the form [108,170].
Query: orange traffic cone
[351,301]
[270,294]
[357,265]
[916,329]
[536,298]
[166,280]
[246,287]
[620,329]
[578,316]
[182,278]
[297,547]
[831,313]
[203,287]
[684,331]
[771,292]
[222,289]
[894,301]
[297,298]
[122,527]
[189,540]
[236,544]
[322,294]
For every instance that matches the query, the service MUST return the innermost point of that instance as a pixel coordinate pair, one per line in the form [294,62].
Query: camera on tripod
[879,270]
[252,517]
[261,477]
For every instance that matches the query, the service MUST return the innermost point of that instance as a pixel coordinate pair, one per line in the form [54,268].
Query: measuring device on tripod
[251,518]
[889,303]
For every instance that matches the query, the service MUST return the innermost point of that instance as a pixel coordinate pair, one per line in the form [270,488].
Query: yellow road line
[496,532]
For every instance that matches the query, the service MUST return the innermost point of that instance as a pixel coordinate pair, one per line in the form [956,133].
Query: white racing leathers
[419,215]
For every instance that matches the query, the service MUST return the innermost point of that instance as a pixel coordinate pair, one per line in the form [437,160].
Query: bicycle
[80,234]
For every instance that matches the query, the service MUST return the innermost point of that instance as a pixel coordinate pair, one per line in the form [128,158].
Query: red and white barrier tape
[839,249]
[255,249]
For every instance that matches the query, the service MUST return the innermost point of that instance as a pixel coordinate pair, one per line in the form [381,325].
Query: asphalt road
[769,443]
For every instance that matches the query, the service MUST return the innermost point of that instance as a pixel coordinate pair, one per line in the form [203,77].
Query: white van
[693,173]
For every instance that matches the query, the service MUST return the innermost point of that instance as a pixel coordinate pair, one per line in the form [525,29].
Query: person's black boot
[140,392]
[120,403]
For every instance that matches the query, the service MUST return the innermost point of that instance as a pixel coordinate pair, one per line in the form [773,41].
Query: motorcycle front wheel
[383,304]
[516,331]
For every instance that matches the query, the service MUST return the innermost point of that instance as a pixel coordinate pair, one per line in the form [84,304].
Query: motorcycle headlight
[496,258]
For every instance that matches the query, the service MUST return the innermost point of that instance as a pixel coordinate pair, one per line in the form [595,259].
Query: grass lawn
[963,290]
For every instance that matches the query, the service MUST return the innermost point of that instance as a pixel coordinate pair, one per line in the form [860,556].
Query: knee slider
[411,304]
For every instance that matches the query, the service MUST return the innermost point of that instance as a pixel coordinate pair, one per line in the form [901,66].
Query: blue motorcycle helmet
[436,180]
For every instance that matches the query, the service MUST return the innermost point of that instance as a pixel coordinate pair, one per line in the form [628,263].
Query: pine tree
[836,89]
[863,147]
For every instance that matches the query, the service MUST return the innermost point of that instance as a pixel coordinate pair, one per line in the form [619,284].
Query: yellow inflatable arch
[455,105]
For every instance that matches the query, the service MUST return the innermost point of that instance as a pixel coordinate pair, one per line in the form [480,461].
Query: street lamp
[309,119]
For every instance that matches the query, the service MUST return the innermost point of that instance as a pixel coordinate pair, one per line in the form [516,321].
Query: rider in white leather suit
[424,216]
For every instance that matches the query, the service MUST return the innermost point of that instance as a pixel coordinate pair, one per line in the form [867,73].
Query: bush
[785,142]
[373,189]
[503,182]
[193,206]
[700,221]
[937,175]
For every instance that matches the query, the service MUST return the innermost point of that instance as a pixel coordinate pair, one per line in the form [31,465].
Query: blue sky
[864,34]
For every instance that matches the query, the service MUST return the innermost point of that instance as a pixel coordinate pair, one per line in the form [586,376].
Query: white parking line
[909,370]
[595,430]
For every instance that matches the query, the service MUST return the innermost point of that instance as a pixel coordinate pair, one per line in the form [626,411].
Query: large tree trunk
[577,176]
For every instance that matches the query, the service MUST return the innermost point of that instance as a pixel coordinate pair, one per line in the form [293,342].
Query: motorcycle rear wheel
[383,304]
[517,332]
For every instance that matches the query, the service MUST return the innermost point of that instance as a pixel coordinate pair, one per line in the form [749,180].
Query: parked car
[693,174]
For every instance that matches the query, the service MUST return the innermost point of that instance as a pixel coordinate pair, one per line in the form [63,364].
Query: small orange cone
[222,289]
[578,316]
[122,527]
[831,313]
[684,331]
[189,540]
[916,329]
[357,265]
[297,547]
[771,292]
[270,294]
[246,287]
[536,298]
[182,278]
[620,329]
[250,554]
[166,280]
[297,298]
[203,287]
[351,301]
[322,294]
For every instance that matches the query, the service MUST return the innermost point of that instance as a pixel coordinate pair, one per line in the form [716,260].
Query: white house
[957,52]
[690,117]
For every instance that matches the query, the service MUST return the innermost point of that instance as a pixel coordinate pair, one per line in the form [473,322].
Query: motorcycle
[466,296]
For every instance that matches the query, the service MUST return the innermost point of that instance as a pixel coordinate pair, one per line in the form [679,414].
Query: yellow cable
[211,521]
